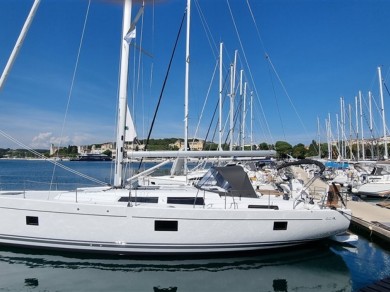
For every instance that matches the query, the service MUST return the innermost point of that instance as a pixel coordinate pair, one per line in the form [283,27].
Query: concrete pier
[370,218]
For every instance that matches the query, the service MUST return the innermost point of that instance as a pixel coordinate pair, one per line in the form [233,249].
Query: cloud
[82,139]
[43,140]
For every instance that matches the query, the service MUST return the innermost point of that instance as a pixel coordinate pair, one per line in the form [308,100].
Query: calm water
[321,267]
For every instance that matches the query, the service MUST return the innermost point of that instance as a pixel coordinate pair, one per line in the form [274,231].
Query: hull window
[280,225]
[160,225]
[31,220]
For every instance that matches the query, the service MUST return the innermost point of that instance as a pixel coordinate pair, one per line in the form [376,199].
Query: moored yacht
[222,213]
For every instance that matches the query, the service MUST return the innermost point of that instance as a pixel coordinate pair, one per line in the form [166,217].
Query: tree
[264,146]
[313,149]
[299,151]
[283,148]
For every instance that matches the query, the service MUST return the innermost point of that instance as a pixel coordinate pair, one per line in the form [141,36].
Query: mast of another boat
[371,128]
[319,138]
[244,117]
[350,131]
[338,137]
[361,124]
[122,104]
[19,42]
[186,83]
[357,128]
[220,97]
[329,136]
[232,91]
[251,120]
[383,111]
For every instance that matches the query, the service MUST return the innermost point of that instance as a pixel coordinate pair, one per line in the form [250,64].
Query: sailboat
[222,213]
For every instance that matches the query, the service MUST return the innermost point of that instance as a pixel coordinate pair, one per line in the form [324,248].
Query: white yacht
[222,213]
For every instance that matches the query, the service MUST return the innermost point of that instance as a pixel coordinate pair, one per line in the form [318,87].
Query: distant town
[108,148]
[282,148]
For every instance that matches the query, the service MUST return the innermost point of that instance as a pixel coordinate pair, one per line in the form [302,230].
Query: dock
[372,220]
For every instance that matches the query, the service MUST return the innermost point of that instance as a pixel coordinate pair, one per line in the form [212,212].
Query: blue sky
[319,51]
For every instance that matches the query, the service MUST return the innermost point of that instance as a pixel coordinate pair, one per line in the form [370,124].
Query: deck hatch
[280,225]
[152,200]
[32,220]
[165,225]
[263,207]
[185,200]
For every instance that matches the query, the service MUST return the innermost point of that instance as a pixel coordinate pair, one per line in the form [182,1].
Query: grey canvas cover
[231,178]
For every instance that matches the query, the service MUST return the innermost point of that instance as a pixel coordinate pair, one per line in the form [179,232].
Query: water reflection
[313,269]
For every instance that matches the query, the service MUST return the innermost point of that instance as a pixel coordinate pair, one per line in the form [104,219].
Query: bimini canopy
[228,180]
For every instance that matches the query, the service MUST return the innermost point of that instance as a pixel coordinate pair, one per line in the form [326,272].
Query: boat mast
[350,131]
[251,120]
[319,141]
[361,124]
[243,118]
[338,136]
[187,72]
[19,42]
[232,90]
[220,97]
[122,104]
[382,111]
[357,128]
[342,126]
[330,144]
[242,112]
[372,136]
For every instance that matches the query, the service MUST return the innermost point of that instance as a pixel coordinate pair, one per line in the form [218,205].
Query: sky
[298,59]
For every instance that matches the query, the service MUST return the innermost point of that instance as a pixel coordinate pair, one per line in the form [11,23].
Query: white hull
[374,189]
[99,223]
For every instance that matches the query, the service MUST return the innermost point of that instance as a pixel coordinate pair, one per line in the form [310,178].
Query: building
[194,145]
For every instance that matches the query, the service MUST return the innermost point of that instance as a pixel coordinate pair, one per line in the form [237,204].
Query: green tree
[299,151]
[283,148]
[324,150]
[313,149]
[264,146]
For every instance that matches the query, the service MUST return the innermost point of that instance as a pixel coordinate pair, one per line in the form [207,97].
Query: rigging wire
[215,111]
[209,35]
[205,102]
[163,87]
[285,91]
[71,89]
[273,67]
[276,100]
[249,69]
